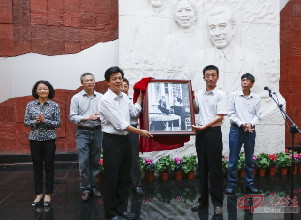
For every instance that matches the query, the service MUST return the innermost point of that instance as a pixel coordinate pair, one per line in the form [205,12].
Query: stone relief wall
[53,27]
[176,41]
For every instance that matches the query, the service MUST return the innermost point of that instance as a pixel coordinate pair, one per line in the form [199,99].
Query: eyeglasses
[88,80]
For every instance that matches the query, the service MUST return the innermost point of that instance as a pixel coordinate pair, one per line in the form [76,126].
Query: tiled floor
[162,200]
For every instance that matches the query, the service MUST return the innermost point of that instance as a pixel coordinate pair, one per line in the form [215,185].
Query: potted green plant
[262,163]
[241,164]
[149,168]
[295,161]
[178,172]
[189,163]
[284,161]
[164,165]
[273,164]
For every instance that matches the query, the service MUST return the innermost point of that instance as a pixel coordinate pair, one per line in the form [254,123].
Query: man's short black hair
[248,76]
[210,67]
[127,81]
[50,88]
[112,70]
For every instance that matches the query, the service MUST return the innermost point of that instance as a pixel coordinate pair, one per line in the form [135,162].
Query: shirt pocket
[251,109]
[211,106]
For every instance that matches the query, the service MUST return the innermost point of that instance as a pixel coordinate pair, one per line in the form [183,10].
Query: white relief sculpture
[156,3]
[157,6]
[234,60]
[186,37]
[155,43]
[185,14]
[231,59]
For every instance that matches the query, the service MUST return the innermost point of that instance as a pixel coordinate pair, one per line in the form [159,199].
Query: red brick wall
[54,27]
[290,63]
[14,135]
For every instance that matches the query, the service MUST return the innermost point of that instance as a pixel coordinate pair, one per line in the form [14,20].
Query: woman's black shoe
[47,203]
[35,204]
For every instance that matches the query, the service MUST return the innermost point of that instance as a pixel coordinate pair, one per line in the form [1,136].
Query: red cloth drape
[157,143]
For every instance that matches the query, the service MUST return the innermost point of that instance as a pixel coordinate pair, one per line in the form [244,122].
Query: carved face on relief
[185,14]
[156,3]
[221,28]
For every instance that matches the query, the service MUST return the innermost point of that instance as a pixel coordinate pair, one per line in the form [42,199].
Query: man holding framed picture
[211,105]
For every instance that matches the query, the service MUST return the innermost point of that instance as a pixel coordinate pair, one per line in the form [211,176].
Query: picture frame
[168,108]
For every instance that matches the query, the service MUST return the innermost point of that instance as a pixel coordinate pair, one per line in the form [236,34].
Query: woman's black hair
[50,88]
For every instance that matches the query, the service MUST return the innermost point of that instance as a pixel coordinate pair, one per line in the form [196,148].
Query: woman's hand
[40,118]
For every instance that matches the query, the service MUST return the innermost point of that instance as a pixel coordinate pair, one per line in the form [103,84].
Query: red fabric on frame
[141,86]
[158,143]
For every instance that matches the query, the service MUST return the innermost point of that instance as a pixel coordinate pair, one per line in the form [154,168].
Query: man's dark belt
[135,126]
[114,135]
[92,128]
[216,128]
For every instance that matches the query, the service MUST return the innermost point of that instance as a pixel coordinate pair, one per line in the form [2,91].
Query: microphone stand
[293,130]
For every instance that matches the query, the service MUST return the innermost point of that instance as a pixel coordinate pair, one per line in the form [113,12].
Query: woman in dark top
[42,116]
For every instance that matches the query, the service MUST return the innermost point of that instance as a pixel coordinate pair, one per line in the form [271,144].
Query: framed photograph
[168,107]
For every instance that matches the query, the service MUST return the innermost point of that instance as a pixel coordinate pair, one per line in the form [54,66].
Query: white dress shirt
[244,109]
[115,112]
[211,104]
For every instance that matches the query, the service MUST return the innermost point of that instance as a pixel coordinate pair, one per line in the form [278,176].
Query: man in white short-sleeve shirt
[211,104]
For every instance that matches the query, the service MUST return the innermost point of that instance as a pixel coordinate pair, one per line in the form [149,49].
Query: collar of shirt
[242,94]
[85,94]
[37,102]
[113,95]
[214,91]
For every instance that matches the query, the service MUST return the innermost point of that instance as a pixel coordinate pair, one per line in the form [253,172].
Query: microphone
[267,88]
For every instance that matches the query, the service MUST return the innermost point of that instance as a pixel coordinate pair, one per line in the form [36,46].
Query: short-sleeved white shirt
[211,103]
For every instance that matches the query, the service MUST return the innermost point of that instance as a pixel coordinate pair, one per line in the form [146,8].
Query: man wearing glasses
[83,112]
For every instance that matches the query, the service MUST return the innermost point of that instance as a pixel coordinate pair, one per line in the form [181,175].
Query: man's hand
[195,107]
[247,127]
[198,127]
[145,133]
[94,117]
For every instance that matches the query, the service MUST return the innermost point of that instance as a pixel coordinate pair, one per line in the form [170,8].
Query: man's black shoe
[252,189]
[229,190]
[138,191]
[199,206]
[85,196]
[128,215]
[218,210]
